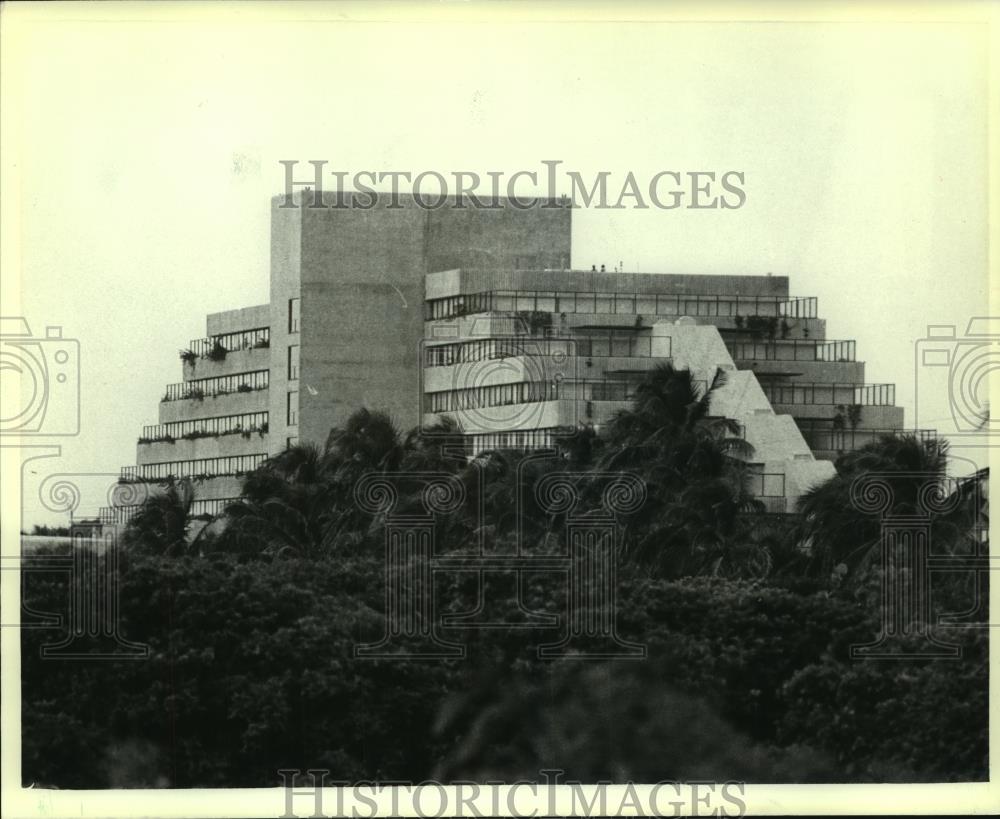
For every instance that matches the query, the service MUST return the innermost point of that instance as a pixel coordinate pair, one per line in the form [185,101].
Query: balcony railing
[601,344]
[877,395]
[221,385]
[792,350]
[528,392]
[245,423]
[231,342]
[211,507]
[198,469]
[111,515]
[645,304]
[774,505]
[824,437]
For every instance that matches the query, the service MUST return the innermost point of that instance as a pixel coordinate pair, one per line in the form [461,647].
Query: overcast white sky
[146,154]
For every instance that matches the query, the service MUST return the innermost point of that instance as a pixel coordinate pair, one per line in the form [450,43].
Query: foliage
[217,353]
[251,669]
[747,622]
[837,532]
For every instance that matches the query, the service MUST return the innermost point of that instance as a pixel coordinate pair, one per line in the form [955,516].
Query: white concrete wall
[776,440]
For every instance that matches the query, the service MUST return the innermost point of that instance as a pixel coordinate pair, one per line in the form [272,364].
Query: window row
[591,345]
[504,301]
[792,350]
[524,392]
[446,355]
[816,393]
[219,385]
[527,392]
[515,439]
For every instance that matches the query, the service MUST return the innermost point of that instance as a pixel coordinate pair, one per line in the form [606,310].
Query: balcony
[219,385]
[245,424]
[197,470]
[645,304]
[217,347]
[792,350]
[117,515]
[797,394]
[824,437]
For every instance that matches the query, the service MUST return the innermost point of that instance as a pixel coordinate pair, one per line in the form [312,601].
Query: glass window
[293,315]
[603,303]
[646,305]
[666,305]
[546,302]
[293,407]
[293,362]
[624,303]
[565,303]
[620,345]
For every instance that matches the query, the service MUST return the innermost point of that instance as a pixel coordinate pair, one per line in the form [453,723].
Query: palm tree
[285,505]
[161,525]
[301,501]
[834,531]
[368,441]
[694,467]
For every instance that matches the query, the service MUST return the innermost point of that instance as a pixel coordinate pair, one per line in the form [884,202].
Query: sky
[140,157]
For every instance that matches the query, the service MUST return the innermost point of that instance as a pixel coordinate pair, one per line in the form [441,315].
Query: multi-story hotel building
[475,313]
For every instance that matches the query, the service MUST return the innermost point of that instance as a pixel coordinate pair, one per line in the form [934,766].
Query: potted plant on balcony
[854,415]
[189,357]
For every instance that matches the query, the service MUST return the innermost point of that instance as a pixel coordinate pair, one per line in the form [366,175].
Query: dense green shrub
[252,670]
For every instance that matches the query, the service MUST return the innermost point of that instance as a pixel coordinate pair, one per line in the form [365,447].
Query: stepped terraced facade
[474,313]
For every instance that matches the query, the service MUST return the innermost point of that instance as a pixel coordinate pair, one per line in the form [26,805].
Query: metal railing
[200,468]
[211,506]
[220,385]
[879,395]
[111,515]
[231,342]
[645,304]
[205,427]
[528,392]
[792,350]
[602,344]
[827,438]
